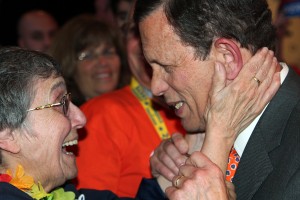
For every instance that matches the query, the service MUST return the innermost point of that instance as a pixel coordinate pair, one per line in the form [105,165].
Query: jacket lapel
[255,164]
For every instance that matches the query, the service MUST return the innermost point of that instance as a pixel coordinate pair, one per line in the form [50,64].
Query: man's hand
[201,179]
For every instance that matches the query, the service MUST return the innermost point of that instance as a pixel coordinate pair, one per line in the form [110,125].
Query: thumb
[219,78]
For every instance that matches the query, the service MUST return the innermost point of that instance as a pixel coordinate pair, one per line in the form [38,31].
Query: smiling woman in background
[92,57]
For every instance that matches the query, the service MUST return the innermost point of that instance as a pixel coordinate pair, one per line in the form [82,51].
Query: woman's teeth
[69,144]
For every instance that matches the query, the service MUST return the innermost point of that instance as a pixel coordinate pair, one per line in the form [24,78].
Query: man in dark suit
[182,40]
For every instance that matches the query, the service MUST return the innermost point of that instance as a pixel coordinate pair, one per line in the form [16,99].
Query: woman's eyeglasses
[64,102]
[92,55]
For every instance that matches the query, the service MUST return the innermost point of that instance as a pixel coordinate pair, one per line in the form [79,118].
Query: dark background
[62,10]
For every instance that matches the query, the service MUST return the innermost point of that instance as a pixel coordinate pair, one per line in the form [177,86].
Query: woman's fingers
[219,79]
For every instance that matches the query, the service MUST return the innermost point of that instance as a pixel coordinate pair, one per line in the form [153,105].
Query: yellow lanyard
[153,114]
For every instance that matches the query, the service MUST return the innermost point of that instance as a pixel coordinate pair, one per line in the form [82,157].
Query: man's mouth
[176,106]
[67,146]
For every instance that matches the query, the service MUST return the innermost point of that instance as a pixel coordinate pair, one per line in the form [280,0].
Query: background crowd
[285,16]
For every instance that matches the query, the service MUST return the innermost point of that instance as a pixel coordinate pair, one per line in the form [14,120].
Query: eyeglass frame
[91,55]
[64,102]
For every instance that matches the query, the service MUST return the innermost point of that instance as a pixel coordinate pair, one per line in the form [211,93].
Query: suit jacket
[270,166]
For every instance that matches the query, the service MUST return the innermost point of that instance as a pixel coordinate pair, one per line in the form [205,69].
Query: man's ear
[228,52]
[8,141]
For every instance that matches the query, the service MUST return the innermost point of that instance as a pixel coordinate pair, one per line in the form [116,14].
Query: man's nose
[158,85]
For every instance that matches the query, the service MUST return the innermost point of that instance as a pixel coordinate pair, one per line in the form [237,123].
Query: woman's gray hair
[19,71]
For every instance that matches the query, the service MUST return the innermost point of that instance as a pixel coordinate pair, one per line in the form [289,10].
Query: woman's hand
[232,106]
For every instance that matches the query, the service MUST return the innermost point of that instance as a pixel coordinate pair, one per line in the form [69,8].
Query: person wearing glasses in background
[92,57]
[36,29]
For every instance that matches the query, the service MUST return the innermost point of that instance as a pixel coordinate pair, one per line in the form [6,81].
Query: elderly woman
[38,123]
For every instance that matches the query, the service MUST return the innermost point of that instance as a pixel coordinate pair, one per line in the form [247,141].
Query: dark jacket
[270,165]
[149,190]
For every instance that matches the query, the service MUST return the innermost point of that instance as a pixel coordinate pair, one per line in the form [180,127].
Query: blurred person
[182,40]
[121,9]
[287,22]
[36,29]
[103,11]
[38,124]
[92,56]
